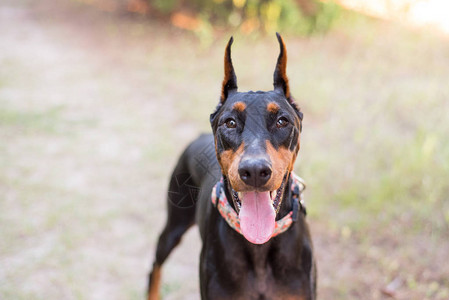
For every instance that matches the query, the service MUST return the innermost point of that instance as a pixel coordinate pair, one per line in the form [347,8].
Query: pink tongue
[257,217]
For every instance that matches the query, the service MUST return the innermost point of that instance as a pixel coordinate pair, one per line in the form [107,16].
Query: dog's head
[257,139]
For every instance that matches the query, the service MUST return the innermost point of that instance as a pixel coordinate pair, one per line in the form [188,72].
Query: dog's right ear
[230,80]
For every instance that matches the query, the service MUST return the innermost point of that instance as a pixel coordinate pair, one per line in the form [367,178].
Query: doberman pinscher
[256,242]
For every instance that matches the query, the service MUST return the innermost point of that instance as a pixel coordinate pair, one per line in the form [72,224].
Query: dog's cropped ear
[230,80]
[280,80]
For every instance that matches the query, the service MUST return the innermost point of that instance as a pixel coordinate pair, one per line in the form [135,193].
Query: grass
[92,134]
[386,119]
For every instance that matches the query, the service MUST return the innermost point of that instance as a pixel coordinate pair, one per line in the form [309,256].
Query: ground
[95,108]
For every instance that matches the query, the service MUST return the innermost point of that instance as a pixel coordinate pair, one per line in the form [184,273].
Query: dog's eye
[281,122]
[231,123]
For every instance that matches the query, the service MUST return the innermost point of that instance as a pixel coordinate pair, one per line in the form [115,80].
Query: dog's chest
[260,273]
[263,285]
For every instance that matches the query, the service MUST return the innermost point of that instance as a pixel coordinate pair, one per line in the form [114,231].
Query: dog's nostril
[265,173]
[245,174]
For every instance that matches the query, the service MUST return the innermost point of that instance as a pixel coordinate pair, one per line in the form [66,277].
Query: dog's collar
[231,217]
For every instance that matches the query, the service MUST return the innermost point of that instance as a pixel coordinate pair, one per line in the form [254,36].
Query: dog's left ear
[280,79]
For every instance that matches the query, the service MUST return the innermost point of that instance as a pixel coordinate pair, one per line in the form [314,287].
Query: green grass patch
[31,121]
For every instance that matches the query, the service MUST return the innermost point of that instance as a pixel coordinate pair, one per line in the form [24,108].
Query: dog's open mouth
[257,212]
[275,197]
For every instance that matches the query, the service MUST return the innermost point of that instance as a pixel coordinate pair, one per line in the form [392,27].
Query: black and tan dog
[255,243]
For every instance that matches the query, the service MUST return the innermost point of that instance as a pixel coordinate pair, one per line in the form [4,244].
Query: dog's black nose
[255,172]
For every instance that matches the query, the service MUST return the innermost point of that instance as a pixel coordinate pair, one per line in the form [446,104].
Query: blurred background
[99,97]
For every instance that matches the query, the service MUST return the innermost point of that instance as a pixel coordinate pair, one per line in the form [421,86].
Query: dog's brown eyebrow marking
[239,106]
[273,107]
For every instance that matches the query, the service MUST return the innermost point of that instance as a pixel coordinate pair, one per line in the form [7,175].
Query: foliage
[296,16]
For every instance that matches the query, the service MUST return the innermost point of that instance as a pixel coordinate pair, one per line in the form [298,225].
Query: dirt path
[82,178]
